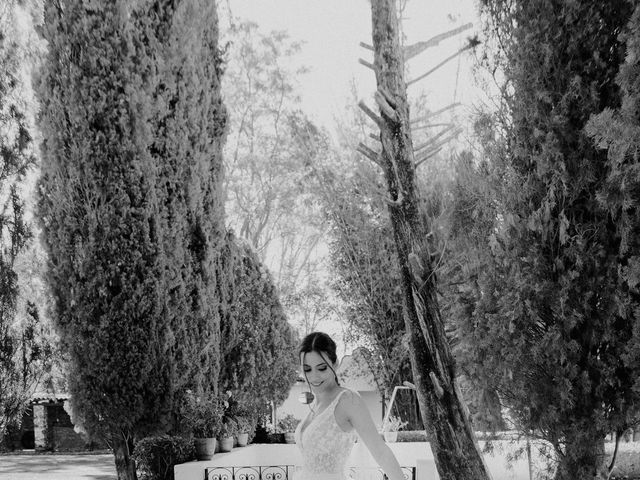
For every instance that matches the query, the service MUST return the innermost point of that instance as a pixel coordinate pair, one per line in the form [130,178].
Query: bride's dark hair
[319,342]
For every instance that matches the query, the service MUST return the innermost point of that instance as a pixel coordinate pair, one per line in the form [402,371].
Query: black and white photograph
[319,240]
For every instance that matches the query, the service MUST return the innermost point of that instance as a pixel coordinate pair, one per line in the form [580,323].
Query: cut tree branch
[433,139]
[366,64]
[444,141]
[411,51]
[437,112]
[427,156]
[397,202]
[436,385]
[386,109]
[387,96]
[445,61]
[431,125]
[369,153]
[370,113]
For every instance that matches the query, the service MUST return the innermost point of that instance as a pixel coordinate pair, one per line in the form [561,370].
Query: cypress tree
[130,205]
[549,313]
[16,159]
[259,361]
[618,131]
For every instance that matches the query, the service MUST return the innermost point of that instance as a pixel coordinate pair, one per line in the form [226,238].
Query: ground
[101,466]
[57,467]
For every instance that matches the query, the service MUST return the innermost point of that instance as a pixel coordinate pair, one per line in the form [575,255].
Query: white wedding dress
[324,445]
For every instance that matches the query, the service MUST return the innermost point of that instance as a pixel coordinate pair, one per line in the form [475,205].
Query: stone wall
[66,439]
[53,429]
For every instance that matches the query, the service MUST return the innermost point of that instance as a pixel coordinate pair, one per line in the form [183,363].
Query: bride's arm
[358,415]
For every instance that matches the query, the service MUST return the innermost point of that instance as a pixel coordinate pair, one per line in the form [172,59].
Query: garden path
[57,467]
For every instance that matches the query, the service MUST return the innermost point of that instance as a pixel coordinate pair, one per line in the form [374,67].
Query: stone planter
[226,444]
[205,448]
[243,439]
[289,437]
[390,437]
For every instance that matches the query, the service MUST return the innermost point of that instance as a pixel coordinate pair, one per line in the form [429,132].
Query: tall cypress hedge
[16,159]
[259,360]
[130,205]
[548,310]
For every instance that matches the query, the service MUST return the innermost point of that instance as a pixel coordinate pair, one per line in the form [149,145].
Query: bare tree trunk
[125,465]
[444,413]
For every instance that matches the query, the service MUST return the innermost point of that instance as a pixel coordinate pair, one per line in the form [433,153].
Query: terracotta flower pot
[205,448]
[243,439]
[289,437]
[226,444]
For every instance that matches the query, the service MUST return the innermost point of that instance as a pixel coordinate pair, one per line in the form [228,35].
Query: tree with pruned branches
[445,415]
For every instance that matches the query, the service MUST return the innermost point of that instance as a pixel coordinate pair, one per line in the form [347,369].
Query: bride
[327,435]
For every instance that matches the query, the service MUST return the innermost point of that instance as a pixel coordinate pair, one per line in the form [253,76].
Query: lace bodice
[324,445]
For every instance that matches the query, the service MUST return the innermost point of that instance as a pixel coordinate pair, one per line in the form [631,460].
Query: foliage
[245,415]
[268,201]
[364,272]
[201,414]
[363,254]
[22,354]
[288,423]
[617,132]
[245,424]
[467,266]
[442,407]
[268,427]
[412,436]
[258,344]
[228,428]
[131,207]
[393,424]
[546,310]
[156,456]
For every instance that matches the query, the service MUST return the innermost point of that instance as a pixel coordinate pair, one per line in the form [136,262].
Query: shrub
[393,424]
[288,423]
[156,456]
[261,435]
[412,436]
[228,429]
[201,415]
[244,424]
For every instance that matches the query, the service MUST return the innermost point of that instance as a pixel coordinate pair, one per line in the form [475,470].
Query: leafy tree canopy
[549,314]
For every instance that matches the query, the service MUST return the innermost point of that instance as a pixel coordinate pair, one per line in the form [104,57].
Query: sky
[331,31]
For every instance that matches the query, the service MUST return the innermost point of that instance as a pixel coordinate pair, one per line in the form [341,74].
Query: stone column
[41,427]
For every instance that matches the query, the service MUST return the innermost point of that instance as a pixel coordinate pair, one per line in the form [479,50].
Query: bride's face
[318,370]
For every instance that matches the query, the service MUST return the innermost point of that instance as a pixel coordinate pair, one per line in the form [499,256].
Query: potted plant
[244,428]
[228,430]
[201,414]
[273,434]
[390,428]
[288,425]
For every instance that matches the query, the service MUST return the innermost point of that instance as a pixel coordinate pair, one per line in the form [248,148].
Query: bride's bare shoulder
[350,400]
